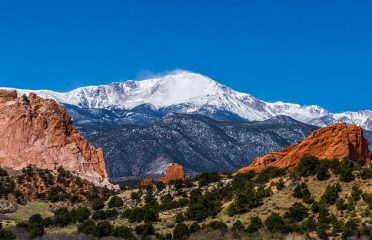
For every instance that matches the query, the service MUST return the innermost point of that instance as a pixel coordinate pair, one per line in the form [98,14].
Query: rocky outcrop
[39,132]
[336,141]
[173,172]
[146,182]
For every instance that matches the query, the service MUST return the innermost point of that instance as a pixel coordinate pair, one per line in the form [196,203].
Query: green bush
[98,204]
[255,225]
[346,171]
[308,225]
[269,173]
[35,227]
[340,204]
[115,202]
[274,223]
[203,206]
[181,232]
[62,217]
[102,229]
[87,227]
[238,226]
[146,229]
[123,232]
[301,191]
[366,173]
[297,212]
[331,194]
[194,227]
[218,225]
[79,214]
[207,178]
[180,218]
[308,165]
[322,171]
[350,228]
[6,235]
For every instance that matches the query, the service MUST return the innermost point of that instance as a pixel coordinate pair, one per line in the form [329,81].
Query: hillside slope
[198,143]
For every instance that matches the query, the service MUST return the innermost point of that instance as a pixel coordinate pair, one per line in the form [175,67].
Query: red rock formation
[173,172]
[146,182]
[39,132]
[336,141]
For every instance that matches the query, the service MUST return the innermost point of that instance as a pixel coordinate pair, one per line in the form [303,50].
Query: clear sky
[303,51]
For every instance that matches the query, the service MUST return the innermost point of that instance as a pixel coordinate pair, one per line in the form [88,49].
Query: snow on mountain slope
[187,92]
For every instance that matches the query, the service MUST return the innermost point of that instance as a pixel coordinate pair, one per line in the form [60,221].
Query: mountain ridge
[187,92]
[198,143]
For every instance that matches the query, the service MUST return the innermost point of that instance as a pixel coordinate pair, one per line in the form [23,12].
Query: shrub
[62,217]
[56,194]
[350,227]
[331,194]
[297,212]
[6,235]
[194,227]
[87,227]
[207,178]
[203,206]
[123,232]
[150,214]
[308,165]
[115,202]
[180,218]
[146,229]
[255,225]
[80,214]
[356,193]
[269,173]
[346,171]
[98,204]
[301,191]
[340,204]
[102,229]
[322,171]
[238,226]
[136,215]
[309,225]
[280,185]
[218,225]
[35,227]
[181,232]
[274,223]
[160,186]
[366,173]
[241,180]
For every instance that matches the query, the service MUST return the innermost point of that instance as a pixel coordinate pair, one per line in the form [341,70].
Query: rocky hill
[39,132]
[196,142]
[336,141]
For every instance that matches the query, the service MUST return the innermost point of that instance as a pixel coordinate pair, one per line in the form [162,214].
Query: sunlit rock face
[336,141]
[39,132]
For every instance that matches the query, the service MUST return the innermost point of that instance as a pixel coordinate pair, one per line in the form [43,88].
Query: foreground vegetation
[318,199]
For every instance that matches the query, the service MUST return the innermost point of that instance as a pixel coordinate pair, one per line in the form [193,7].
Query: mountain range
[145,101]
[198,143]
[190,119]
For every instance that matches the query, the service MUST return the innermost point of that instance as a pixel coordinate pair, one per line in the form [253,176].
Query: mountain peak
[188,92]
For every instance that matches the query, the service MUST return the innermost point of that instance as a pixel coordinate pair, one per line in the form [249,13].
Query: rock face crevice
[39,132]
[336,141]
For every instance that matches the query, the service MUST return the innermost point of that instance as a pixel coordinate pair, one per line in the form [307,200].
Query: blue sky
[308,51]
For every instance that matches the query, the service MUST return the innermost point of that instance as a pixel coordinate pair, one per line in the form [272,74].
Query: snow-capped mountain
[187,92]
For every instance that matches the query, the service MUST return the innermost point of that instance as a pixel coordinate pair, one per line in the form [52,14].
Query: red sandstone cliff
[39,132]
[173,172]
[336,141]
